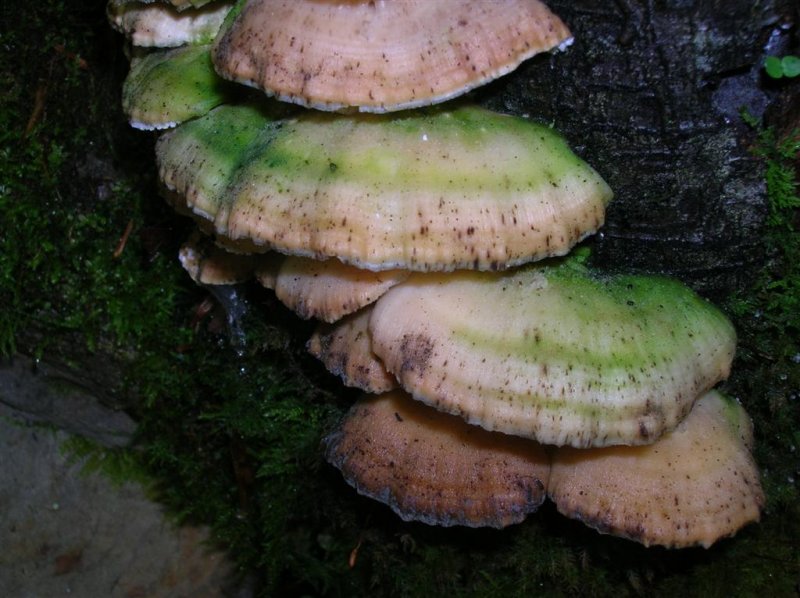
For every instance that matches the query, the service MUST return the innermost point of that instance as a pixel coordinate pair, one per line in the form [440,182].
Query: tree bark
[650,94]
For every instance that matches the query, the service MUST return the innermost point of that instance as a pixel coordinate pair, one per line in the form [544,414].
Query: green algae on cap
[380,56]
[163,26]
[695,485]
[198,159]
[345,350]
[434,190]
[329,290]
[554,353]
[168,87]
[435,468]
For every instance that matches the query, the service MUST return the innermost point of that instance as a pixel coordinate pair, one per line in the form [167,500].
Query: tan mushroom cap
[382,55]
[696,485]
[163,26]
[440,190]
[328,289]
[554,351]
[345,349]
[208,264]
[434,468]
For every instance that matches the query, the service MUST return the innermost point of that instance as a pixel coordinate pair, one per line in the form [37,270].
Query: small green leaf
[790,65]
[772,65]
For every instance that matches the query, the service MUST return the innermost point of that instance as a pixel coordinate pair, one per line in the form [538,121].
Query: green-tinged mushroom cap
[697,484]
[383,55]
[161,25]
[554,352]
[466,188]
[213,148]
[171,86]
[435,468]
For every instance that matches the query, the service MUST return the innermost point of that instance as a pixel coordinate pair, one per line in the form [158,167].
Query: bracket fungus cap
[208,264]
[328,289]
[381,55]
[441,190]
[345,350]
[554,352]
[435,468]
[695,485]
[167,87]
[161,25]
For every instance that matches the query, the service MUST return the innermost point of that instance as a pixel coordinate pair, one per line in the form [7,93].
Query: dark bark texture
[650,94]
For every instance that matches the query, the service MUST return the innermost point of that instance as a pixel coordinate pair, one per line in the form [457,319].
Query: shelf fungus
[697,484]
[554,352]
[208,264]
[412,233]
[161,25]
[345,349]
[441,190]
[382,55]
[435,468]
[693,486]
[329,290]
[167,87]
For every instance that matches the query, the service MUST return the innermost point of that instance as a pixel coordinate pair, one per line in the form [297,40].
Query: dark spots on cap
[416,351]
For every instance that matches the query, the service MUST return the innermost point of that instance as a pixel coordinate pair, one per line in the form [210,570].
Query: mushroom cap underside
[345,349]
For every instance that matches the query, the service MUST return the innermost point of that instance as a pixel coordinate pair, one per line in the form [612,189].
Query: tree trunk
[650,94]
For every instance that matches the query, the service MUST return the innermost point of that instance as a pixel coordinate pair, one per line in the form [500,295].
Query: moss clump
[768,319]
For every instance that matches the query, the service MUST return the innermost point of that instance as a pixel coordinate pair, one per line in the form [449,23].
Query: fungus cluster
[433,247]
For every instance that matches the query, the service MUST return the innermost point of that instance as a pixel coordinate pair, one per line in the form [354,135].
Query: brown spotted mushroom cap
[345,350]
[328,289]
[554,351]
[381,55]
[696,485]
[434,468]
[439,190]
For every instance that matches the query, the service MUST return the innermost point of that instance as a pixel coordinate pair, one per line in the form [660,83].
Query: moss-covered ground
[229,429]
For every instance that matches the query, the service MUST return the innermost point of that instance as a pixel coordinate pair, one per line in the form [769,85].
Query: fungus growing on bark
[167,87]
[345,349]
[329,290]
[381,56]
[697,484]
[435,468]
[466,188]
[208,264]
[550,352]
[555,353]
[163,26]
